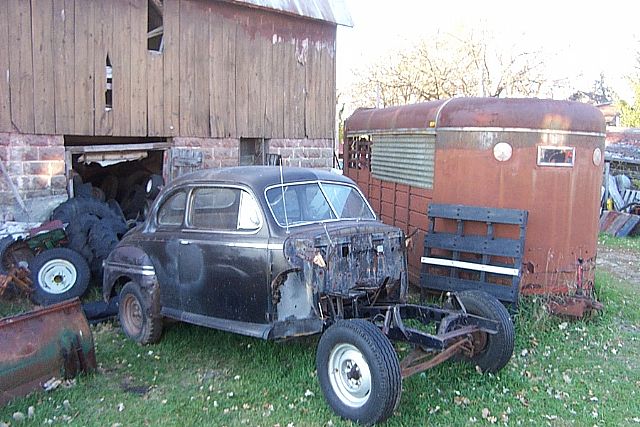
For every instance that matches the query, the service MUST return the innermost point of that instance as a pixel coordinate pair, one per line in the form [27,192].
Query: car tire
[494,351]
[370,391]
[58,274]
[138,314]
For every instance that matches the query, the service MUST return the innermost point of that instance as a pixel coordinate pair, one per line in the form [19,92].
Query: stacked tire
[93,229]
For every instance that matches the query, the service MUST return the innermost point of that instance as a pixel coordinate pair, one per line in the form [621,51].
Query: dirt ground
[623,263]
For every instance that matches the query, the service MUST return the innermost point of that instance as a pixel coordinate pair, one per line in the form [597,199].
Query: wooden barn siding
[226,71]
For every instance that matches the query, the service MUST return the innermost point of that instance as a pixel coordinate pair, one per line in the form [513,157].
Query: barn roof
[334,11]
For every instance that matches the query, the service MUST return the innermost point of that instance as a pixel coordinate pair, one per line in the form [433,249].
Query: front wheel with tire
[58,274]
[490,352]
[359,371]
[138,316]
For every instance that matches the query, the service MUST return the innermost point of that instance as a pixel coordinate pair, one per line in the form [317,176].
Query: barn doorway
[115,169]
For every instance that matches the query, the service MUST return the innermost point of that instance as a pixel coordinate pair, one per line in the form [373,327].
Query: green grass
[581,373]
[632,242]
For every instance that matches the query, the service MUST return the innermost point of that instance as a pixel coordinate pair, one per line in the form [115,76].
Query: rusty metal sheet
[414,116]
[577,306]
[534,114]
[51,342]
[540,114]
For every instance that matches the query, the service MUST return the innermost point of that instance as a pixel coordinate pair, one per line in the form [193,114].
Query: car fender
[127,263]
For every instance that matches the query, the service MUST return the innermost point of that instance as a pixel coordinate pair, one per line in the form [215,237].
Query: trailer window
[556,156]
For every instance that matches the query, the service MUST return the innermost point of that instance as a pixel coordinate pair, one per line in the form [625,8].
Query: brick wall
[35,164]
[306,153]
[310,153]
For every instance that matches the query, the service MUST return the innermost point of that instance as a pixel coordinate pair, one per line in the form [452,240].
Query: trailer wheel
[491,352]
[359,371]
[136,317]
[58,274]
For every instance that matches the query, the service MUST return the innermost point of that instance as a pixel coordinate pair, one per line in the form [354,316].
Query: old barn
[113,91]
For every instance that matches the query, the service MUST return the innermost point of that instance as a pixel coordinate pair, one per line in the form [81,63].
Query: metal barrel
[54,341]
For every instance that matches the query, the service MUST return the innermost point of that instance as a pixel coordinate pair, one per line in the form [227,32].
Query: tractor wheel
[359,371]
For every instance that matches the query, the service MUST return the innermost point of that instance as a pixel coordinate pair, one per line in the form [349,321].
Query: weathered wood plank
[171,39]
[229,43]
[255,124]
[21,66]
[188,19]
[242,82]
[217,78]
[83,69]
[279,72]
[155,94]
[201,107]
[103,40]
[323,108]
[331,93]
[5,106]
[289,88]
[311,79]
[41,30]
[299,60]
[138,67]
[121,65]
[266,87]
[63,64]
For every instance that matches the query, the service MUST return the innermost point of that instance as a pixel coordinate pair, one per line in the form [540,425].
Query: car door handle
[184,242]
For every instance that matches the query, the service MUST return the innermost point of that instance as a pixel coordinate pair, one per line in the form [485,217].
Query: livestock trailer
[542,156]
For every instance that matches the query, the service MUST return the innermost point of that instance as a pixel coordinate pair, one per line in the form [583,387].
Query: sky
[578,39]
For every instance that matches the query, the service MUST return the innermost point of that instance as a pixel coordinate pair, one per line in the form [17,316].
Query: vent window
[404,159]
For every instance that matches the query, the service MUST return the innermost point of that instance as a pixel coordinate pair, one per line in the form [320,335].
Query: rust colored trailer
[544,156]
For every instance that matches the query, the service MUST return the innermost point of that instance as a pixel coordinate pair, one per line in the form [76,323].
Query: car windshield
[295,204]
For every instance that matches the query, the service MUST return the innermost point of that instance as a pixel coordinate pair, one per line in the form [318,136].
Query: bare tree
[446,66]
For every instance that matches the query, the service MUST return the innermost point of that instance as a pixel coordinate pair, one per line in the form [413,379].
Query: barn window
[155,25]
[556,156]
[404,158]
[108,91]
[254,151]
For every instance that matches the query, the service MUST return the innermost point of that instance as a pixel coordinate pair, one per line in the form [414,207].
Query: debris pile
[621,201]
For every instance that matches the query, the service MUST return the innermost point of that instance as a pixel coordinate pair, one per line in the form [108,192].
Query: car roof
[259,177]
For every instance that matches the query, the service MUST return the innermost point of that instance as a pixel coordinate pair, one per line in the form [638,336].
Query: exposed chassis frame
[459,332]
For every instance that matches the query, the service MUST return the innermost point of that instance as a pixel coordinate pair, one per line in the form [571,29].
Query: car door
[162,245]
[223,258]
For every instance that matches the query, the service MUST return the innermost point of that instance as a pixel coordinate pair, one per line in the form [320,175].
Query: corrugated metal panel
[404,159]
[324,10]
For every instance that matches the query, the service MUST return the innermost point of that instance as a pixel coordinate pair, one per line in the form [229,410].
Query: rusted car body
[276,253]
[542,156]
[53,342]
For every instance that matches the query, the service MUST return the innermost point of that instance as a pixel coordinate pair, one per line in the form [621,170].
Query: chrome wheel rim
[349,375]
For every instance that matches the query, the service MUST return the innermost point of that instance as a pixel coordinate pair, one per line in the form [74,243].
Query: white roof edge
[334,11]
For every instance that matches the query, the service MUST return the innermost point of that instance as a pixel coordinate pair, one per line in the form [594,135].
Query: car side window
[172,210]
[218,209]
[249,215]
